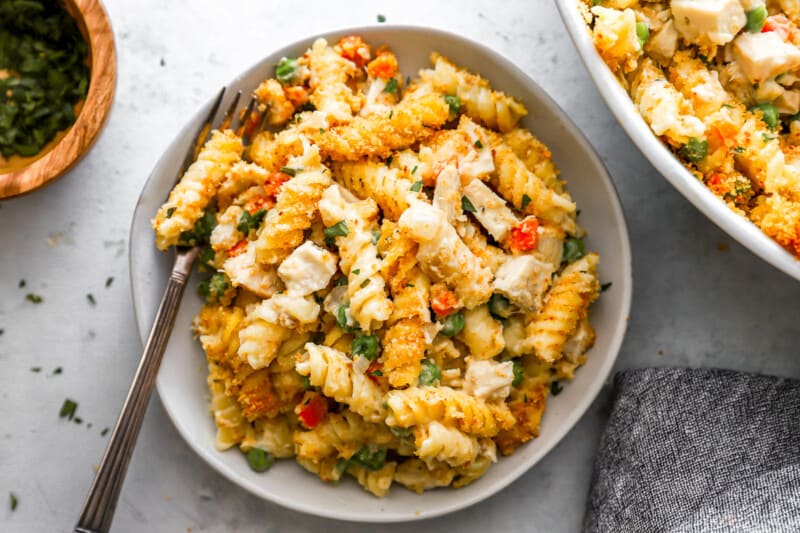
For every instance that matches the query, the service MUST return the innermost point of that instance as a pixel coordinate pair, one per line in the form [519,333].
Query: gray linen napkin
[698,450]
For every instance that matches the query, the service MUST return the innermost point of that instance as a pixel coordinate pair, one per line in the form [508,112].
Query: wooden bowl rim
[89,122]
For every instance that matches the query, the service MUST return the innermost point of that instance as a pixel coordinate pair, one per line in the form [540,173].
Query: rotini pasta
[196,188]
[396,271]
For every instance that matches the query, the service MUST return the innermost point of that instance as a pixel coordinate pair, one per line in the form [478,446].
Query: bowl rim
[82,134]
[617,334]
[740,228]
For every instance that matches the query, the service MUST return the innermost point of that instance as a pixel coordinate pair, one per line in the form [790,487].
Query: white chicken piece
[490,210]
[289,310]
[580,342]
[309,268]
[243,270]
[447,194]
[663,43]
[762,56]
[524,279]
[488,380]
[708,22]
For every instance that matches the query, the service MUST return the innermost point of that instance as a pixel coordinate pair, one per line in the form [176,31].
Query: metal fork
[101,501]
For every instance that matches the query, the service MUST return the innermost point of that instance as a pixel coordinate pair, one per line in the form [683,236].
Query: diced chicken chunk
[244,271]
[488,380]
[447,194]
[490,210]
[289,310]
[762,56]
[523,279]
[708,22]
[309,268]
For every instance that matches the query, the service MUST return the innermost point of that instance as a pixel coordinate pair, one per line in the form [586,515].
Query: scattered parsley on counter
[36,369]
[605,286]
[109,281]
[22,283]
[34,298]
[90,298]
[381,18]
[556,388]
[68,409]
[13,501]
[57,370]
[104,432]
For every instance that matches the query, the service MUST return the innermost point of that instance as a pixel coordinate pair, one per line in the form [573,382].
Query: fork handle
[101,501]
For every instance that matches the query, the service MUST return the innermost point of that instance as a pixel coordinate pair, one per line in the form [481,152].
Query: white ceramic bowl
[181,381]
[741,229]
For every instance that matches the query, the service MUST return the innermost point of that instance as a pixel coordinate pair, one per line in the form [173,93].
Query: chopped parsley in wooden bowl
[57,78]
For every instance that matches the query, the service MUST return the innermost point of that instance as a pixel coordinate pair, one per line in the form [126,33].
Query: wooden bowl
[20,175]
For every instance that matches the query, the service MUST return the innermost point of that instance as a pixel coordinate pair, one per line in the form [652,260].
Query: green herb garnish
[68,409]
[467,206]
[605,286]
[381,19]
[478,144]
[370,457]
[34,298]
[454,102]
[519,374]
[13,501]
[45,57]
[416,186]
[201,232]
[109,281]
[90,299]
[341,281]
[214,287]
[337,230]
[249,222]
[573,249]
[556,388]
[695,150]
[391,86]
[643,33]
[341,318]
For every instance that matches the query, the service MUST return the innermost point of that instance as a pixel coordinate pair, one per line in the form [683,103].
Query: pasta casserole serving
[718,81]
[397,278]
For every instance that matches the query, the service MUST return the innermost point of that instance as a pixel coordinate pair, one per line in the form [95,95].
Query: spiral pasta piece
[333,372]
[413,406]
[564,307]
[329,73]
[492,108]
[416,475]
[411,120]
[273,435]
[189,198]
[283,227]
[389,187]
[341,434]
[231,424]
[536,156]
[378,481]
[358,253]
[403,351]
[522,187]
[436,441]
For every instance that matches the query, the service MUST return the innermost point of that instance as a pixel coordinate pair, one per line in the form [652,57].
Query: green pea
[499,306]
[452,324]
[429,373]
[259,460]
[365,346]
[769,114]
[755,19]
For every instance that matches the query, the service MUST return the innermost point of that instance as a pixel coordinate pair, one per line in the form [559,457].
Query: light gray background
[700,299]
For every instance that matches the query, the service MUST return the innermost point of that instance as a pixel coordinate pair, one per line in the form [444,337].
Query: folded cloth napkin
[698,450]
